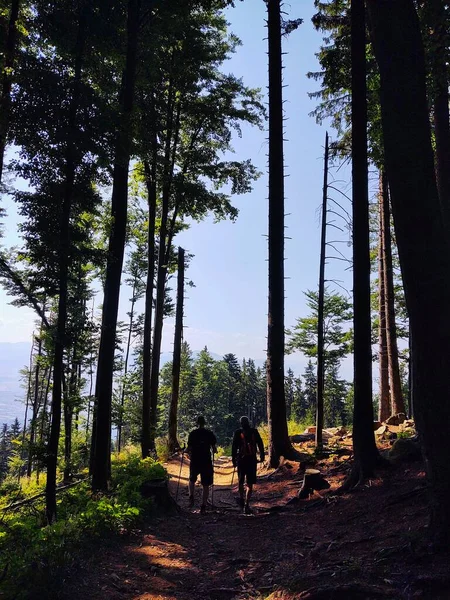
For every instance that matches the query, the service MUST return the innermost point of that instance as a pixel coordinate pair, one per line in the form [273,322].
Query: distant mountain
[15,356]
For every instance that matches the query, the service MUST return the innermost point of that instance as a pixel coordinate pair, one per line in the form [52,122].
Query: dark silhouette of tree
[421,234]
[366,453]
[119,204]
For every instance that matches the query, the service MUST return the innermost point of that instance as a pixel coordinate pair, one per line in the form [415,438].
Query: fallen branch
[60,488]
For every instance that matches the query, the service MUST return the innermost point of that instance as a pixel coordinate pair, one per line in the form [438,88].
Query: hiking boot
[248,510]
[191,501]
[203,509]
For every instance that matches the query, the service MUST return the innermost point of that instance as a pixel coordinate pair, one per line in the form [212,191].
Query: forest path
[354,546]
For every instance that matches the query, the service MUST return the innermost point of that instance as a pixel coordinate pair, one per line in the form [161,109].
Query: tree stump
[313,480]
[158,490]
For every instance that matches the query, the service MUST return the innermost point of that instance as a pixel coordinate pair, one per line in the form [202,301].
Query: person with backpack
[246,442]
[201,442]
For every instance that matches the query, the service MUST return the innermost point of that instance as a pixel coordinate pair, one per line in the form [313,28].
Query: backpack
[247,443]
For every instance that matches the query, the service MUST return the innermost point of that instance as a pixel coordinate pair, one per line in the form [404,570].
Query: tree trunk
[102,446]
[173,130]
[279,444]
[64,247]
[321,299]
[176,363]
[397,402]
[27,403]
[384,409]
[421,234]
[35,405]
[437,20]
[125,368]
[5,99]
[366,454]
[68,419]
[150,177]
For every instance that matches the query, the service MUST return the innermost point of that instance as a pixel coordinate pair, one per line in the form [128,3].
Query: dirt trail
[363,545]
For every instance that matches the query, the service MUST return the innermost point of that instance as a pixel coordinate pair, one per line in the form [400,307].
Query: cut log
[158,490]
[312,481]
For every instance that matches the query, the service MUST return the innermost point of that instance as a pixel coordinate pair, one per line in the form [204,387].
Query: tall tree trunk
[366,454]
[397,402]
[7,77]
[35,405]
[125,368]
[421,234]
[437,21]
[176,363]
[102,446]
[63,276]
[384,409]
[279,444]
[27,403]
[150,178]
[173,130]
[68,420]
[321,300]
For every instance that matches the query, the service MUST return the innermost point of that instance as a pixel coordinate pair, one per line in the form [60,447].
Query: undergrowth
[34,556]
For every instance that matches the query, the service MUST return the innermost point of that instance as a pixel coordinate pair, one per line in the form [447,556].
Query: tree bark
[321,299]
[384,409]
[437,20]
[5,99]
[64,248]
[119,204]
[279,444]
[176,363]
[173,130]
[150,177]
[35,405]
[366,454]
[397,402]
[421,234]
[125,368]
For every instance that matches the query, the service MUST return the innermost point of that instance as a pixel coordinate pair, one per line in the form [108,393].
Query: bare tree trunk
[150,177]
[279,443]
[176,363]
[384,409]
[421,234]
[366,453]
[321,300]
[397,402]
[7,77]
[35,405]
[63,275]
[101,463]
[125,368]
[437,20]
[173,131]
[27,403]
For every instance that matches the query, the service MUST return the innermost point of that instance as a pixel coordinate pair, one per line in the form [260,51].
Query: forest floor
[370,543]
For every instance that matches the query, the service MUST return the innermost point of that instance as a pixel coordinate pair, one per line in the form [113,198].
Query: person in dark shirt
[200,443]
[246,442]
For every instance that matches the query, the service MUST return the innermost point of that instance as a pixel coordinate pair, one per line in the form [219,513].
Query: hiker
[200,443]
[246,442]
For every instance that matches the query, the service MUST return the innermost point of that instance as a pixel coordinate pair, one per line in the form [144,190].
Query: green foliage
[36,555]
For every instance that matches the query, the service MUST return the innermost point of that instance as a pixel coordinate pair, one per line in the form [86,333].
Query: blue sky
[227,310]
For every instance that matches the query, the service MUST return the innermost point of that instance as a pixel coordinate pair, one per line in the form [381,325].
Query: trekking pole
[212,487]
[232,477]
[179,474]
